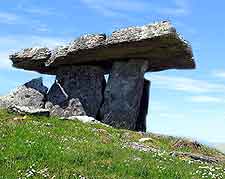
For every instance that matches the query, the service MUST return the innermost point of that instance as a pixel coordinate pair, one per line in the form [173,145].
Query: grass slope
[40,147]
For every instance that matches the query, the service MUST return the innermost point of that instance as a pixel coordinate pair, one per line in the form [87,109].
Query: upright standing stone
[141,121]
[123,94]
[85,83]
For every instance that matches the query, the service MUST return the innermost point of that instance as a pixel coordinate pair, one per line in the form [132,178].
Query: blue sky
[185,103]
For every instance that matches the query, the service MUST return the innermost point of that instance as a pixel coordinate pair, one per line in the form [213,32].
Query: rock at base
[85,83]
[31,94]
[84,119]
[60,105]
[123,94]
[29,110]
[141,121]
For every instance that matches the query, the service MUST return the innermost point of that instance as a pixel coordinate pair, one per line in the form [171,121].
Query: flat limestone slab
[159,43]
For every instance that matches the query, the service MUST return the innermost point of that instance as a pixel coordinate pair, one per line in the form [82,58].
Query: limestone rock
[85,83]
[29,110]
[159,43]
[189,143]
[87,42]
[31,94]
[145,139]
[123,94]
[56,94]
[69,108]
[84,119]
[31,58]
[60,105]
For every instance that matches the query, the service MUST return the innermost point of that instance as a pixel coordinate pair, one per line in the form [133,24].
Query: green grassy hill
[41,147]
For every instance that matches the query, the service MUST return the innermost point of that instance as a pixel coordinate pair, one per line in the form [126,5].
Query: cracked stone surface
[123,93]
[159,43]
[31,94]
[85,83]
[59,104]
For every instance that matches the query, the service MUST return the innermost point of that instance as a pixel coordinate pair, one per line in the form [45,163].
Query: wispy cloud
[219,73]
[39,11]
[14,42]
[181,7]
[118,7]
[10,18]
[4,62]
[17,18]
[206,99]
[184,84]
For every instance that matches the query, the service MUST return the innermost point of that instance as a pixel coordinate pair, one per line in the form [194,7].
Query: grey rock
[56,94]
[159,43]
[87,42]
[29,110]
[141,147]
[60,105]
[141,121]
[123,93]
[69,108]
[146,139]
[132,34]
[84,119]
[37,84]
[31,94]
[85,83]
[32,59]
[198,157]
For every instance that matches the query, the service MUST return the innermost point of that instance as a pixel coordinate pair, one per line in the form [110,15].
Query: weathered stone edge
[44,57]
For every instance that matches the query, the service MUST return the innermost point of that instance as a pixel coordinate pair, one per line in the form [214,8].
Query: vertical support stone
[141,121]
[85,83]
[123,94]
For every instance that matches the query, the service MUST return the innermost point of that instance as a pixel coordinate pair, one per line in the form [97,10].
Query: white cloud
[4,61]
[186,84]
[14,42]
[206,99]
[120,8]
[49,42]
[220,74]
[39,11]
[10,18]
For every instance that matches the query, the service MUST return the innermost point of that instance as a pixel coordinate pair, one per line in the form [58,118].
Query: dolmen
[125,56]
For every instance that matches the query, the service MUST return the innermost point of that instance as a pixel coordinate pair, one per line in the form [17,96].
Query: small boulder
[84,119]
[180,143]
[60,105]
[31,94]
[29,110]
[145,139]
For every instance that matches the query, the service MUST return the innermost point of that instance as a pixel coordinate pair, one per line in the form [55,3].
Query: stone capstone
[158,43]
[32,58]
[123,93]
[85,83]
[31,94]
